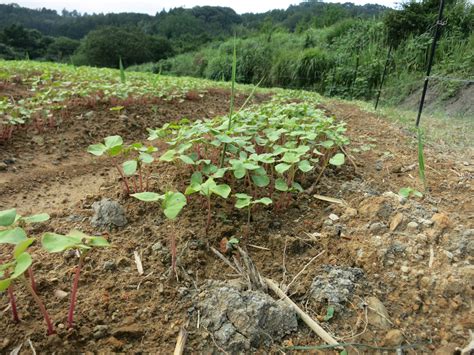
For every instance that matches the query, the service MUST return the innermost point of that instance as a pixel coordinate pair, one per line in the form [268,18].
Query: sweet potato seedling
[244,200]
[75,240]
[172,203]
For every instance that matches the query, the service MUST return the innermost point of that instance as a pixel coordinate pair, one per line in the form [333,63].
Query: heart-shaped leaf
[148,196]
[37,218]
[337,160]
[7,217]
[130,167]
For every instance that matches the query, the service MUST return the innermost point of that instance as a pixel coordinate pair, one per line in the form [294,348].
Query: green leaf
[290,157]
[37,218]
[282,167]
[337,160]
[55,243]
[305,166]
[219,173]
[4,284]
[297,187]
[130,167]
[238,168]
[146,158]
[193,188]
[7,217]
[168,156]
[265,201]
[243,200]
[196,178]
[97,149]
[148,196]
[224,138]
[114,151]
[22,246]
[260,180]
[327,144]
[405,192]
[113,141]
[222,190]
[97,242]
[186,159]
[281,185]
[329,313]
[12,236]
[173,204]
[23,262]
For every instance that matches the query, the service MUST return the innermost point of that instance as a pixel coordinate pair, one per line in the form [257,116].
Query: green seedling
[408,192]
[11,232]
[14,270]
[246,201]
[207,189]
[143,157]
[112,147]
[172,203]
[83,244]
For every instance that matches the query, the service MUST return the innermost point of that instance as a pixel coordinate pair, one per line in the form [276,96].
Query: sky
[153,6]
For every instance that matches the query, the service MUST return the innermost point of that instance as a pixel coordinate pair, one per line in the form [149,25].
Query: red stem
[124,179]
[70,316]
[140,174]
[208,214]
[41,306]
[32,279]
[11,296]
[173,252]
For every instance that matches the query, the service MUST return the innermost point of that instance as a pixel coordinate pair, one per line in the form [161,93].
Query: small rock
[404,269]
[441,221]
[9,161]
[133,330]
[350,212]
[100,331]
[333,217]
[412,226]
[377,228]
[157,246]
[109,265]
[393,337]
[427,222]
[38,140]
[60,294]
[396,220]
[377,315]
[108,213]
[3,167]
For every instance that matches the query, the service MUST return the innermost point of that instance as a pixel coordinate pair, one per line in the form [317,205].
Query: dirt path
[420,272]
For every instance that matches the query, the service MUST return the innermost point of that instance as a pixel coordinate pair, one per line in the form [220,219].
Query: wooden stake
[180,342]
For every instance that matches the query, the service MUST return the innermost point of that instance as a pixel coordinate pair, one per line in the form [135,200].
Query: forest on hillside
[335,49]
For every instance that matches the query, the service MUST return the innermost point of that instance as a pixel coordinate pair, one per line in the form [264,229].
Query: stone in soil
[240,320]
[108,213]
[335,285]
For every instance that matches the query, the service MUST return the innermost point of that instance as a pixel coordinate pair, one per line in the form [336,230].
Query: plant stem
[173,252]
[140,174]
[32,278]
[124,178]
[208,214]
[11,296]
[70,316]
[41,306]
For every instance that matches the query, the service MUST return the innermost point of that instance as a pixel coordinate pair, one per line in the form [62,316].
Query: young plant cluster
[263,157]
[136,158]
[18,263]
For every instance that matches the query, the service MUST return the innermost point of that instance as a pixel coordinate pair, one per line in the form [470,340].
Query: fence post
[383,76]
[430,61]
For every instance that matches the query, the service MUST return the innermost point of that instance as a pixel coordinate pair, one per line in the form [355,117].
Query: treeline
[139,38]
[345,59]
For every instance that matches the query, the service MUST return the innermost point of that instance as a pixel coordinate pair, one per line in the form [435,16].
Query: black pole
[430,62]
[383,76]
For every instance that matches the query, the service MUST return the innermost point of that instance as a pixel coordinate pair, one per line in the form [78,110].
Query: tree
[61,48]
[104,46]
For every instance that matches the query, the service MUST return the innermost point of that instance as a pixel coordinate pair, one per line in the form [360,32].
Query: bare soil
[422,275]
